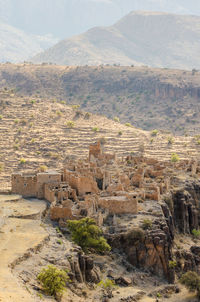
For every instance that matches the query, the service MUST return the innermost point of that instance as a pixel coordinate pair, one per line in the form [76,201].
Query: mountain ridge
[156,39]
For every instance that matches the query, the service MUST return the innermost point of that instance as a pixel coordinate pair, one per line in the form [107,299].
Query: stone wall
[57,213]
[95,150]
[25,185]
[82,184]
[119,204]
[46,178]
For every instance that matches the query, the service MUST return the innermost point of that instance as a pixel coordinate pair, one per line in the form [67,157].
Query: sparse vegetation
[174,158]
[107,284]
[53,280]
[87,116]
[146,224]
[43,168]
[22,161]
[170,140]
[95,129]
[191,280]
[136,235]
[196,233]
[116,119]
[154,132]
[70,124]
[74,107]
[16,121]
[58,113]
[172,264]
[128,125]
[88,235]
[16,146]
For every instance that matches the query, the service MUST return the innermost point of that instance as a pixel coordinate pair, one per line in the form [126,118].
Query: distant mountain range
[29,27]
[65,18]
[140,38]
[18,46]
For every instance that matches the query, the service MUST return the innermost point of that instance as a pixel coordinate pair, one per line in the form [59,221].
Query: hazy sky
[64,18]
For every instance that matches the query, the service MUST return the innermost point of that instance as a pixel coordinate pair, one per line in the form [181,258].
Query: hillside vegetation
[39,133]
[140,38]
[147,98]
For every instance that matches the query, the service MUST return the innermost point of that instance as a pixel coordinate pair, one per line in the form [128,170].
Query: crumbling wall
[95,150]
[119,204]
[24,185]
[82,184]
[46,178]
[57,213]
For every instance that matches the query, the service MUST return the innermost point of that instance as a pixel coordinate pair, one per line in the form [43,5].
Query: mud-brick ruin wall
[95,150]
[81,184]
[24,185]
[48,193]
[57,213]
[46,178]
[119,205]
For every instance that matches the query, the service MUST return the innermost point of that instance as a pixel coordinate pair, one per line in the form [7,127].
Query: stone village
[120,193]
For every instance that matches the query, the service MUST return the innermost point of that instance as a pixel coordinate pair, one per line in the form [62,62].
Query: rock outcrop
[150,249]
[83,269]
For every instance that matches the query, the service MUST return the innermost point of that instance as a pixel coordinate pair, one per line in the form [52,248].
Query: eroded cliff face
[185,212]
[153,249]
[150,250]
[83,269]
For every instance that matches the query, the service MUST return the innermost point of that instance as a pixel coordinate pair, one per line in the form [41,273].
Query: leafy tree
[87,234]
[53,280]
[192,281]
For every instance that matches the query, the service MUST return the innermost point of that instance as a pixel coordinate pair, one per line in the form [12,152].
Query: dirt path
[17,236]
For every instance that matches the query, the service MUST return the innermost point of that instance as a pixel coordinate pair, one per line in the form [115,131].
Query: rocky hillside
[146,98]
[38,132]
[140,38]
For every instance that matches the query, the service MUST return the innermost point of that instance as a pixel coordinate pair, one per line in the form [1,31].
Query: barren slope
[36,132]
[147,98]
[153,39]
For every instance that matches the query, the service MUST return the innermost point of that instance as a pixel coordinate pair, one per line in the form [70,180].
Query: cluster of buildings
[100,185]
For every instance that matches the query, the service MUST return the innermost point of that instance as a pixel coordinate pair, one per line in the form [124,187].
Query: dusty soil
[17,237]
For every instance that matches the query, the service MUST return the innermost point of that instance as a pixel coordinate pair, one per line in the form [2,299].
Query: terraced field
[44,132]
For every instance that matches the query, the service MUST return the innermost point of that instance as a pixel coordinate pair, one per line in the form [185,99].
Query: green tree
[88,235]
[53,280]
